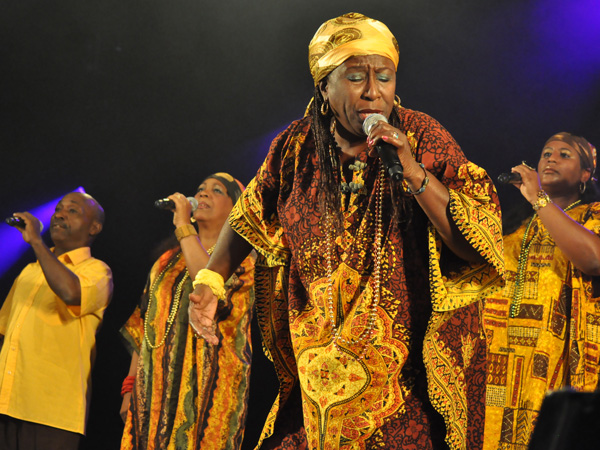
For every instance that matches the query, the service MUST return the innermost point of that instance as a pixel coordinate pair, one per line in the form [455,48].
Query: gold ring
[527,165]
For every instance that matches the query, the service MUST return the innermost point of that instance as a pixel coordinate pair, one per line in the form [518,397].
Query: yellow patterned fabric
[387,399]
[188,394]
[349,35]
[554,341]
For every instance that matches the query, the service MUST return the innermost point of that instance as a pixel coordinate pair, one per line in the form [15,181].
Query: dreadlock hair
[329,192]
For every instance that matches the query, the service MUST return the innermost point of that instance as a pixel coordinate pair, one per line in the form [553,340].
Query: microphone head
[371,120]
[193,202]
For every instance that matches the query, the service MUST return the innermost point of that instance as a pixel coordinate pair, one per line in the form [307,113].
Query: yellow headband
[587,152]
[349,35]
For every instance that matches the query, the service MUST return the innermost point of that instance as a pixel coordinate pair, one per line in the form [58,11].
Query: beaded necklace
[174,306]
[515,304]
[336,328]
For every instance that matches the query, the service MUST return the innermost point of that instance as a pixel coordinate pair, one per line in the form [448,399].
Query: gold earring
[325,108]
[582,187]
[397,101]
[193,219]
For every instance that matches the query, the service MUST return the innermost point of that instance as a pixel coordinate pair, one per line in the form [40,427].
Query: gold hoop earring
[325,108]
[397,101]
[582,187]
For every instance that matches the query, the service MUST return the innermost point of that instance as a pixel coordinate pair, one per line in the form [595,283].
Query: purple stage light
[12,245]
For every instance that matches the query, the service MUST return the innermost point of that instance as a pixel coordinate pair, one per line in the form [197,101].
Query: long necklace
[336,329]
[175,304]
[515,304]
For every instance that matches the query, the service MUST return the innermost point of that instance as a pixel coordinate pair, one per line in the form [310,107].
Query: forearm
[579,245]
[194,253]
[133,365]
[230,251]
[434,201]
[63,282]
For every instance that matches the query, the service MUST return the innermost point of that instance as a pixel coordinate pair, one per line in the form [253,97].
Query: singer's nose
[371,91]
[58,215]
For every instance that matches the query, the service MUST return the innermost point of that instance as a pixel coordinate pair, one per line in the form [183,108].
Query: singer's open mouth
[364,113]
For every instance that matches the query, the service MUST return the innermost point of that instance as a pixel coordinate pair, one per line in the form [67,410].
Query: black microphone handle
[164,203]
[14,221]
[512,177]
[168,204]
[389,156]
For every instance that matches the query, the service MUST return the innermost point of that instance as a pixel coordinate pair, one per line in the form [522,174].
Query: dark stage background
[134,100]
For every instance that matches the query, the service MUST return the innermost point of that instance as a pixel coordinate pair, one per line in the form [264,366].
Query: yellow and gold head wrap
[345,36]
[587,152]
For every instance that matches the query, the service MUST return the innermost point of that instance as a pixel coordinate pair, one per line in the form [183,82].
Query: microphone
[167,203]
[387,152]
[513,177]
[15,221]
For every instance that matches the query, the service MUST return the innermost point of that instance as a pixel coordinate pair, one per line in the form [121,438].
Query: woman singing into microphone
[544,323]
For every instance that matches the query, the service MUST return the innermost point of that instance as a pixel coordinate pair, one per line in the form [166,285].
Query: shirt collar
[75,256]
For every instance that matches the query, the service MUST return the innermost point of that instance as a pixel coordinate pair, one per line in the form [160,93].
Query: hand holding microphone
[387,152]
[526,179]
[30,227]
[513,177]
[182,207]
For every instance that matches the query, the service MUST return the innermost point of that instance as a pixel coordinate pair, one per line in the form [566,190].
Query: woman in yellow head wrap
[355,265]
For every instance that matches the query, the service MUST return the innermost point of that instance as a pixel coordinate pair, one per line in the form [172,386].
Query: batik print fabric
[381,401]
[552,342]
[187,394]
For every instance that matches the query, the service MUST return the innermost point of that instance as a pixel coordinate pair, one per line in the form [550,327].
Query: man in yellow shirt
[49,322]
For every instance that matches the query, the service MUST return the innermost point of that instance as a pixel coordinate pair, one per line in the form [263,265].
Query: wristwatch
[542,200]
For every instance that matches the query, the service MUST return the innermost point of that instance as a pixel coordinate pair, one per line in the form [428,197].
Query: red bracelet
[128,383]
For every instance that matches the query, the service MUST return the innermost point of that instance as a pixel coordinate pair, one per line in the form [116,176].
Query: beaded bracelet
[211,279]
[423,186]
[185,231]
[127,386]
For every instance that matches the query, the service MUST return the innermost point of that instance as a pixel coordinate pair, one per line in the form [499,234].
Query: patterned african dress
[187,394]
[550,341]
[407,382]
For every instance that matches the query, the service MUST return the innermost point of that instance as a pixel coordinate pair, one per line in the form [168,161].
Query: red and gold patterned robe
[427,355]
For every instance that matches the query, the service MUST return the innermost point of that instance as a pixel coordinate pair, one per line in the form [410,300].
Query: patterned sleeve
[585,324]
[254,217]
[132,331]
[591,218]
[474,207]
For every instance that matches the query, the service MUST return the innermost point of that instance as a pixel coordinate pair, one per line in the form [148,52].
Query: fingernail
[385,138]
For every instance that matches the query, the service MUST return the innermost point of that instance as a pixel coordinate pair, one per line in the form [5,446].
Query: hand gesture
[33,227]
[201,312]
[183,209]
[530,184]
